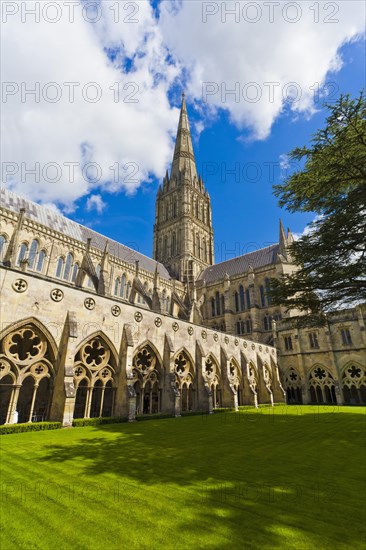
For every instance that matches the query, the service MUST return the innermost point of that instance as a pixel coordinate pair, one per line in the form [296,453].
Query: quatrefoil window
[293,376]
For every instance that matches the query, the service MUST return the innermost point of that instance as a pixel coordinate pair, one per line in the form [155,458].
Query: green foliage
[332,255]
[77,422]
[29,427]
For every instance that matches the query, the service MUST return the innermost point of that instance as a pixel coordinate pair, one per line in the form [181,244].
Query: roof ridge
[77,226]
[246,254]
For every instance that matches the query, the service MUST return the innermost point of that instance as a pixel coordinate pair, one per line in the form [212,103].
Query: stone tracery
[26,375]
[94,370]
[147,380]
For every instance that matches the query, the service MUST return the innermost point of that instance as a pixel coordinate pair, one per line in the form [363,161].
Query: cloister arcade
[30,360]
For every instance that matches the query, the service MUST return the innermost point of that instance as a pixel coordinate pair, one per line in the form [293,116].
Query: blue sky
[245,212]
[169,47]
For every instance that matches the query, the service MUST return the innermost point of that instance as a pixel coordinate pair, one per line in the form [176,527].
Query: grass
[288,478]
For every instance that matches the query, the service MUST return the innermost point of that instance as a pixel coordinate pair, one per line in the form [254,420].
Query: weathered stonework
[92,328]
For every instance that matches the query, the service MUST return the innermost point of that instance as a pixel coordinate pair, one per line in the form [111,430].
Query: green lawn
[294,479]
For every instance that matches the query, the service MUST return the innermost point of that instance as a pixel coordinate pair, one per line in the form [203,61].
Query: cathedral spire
[282,239]
[183,160]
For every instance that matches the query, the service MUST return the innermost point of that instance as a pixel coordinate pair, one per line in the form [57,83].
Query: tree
[330,255]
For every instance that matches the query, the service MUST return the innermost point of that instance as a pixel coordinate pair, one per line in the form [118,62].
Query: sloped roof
[68,227]
[240,265]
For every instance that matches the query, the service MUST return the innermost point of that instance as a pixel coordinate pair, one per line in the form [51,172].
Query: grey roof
[57,222]
[240,265]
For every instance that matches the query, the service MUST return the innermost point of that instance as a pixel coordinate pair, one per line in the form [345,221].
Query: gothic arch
[95,366]
[213,379]
[185,378]
[354,383]
[39,326]
[148,378]
[293,384]
[100,334]
[27,370]
[322,385]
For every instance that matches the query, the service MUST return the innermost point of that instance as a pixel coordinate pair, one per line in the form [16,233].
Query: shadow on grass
[266,480]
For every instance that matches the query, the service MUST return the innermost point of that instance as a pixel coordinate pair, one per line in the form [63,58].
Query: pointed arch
[95,366]
[22,323]
[33,252]
[322,384]
[152,346]
[183,350]
[353,378]
[28,361]
[292,385]
[148,378]
[102,335]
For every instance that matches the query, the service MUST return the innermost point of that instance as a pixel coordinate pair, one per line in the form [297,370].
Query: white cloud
[95,202]
[228,52]
[137,136]
[132,135]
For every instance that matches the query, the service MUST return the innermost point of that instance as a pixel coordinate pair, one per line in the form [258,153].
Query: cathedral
[92,328]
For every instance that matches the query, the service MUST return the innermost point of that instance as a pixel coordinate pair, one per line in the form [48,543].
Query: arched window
[222,304]
[203,213]
[196,205]
[248,327]
[146,292]
[3,243]
[204,250]
[75,271]
[241,294]
[68,264]
[40,261]
[116,286]
[263,298]
[198,246]
[128,290]
[22,252]
[247,298]
[267,322]
[32,254]
[168,304]
[213,307]
[123,286]
[268,287]
[217,298]
[165,246]
[174,244]
[236,295]
[175,209]
[60,267]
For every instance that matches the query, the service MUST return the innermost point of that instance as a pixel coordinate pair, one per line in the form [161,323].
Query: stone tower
[183,235]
